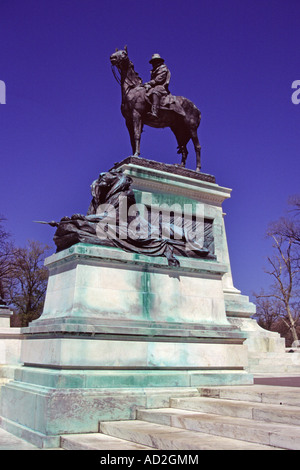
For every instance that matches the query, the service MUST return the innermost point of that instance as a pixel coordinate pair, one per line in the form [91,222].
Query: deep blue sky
[61,126]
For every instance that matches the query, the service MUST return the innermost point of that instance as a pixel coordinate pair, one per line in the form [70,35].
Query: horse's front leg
[137,131]
[184,153]
[129,125]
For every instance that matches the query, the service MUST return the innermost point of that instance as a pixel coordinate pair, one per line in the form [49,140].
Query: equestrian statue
[152,104]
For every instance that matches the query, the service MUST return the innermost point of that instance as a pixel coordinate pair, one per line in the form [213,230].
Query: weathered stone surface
[10,340]
[10,442]
[241,409]
[97,441]
[263,419]
[159,436]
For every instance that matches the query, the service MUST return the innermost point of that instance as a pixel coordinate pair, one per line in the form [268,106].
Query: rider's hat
[156,57]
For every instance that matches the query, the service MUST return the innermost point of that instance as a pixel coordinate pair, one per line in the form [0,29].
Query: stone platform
[122,330]
[256,417]
[110,338]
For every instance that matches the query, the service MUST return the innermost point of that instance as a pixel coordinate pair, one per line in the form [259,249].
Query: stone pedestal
[5,314]
[115,310]
[123,330]
[203,188]
[10,344]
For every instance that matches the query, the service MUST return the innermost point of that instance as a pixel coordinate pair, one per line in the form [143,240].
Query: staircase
[255,417]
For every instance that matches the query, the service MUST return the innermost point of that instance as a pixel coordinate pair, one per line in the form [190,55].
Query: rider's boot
[155,106]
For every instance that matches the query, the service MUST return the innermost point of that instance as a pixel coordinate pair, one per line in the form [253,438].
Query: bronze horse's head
[119,57]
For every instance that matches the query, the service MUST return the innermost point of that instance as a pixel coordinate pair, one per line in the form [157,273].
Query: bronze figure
[110,221]
[158,87]
[152,104]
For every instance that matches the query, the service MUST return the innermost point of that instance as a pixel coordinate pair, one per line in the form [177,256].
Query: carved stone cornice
[153,176]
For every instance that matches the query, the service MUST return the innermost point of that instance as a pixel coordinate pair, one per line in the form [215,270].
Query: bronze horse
[136,106]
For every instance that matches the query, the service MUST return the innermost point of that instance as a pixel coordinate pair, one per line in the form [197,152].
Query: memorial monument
[140,303]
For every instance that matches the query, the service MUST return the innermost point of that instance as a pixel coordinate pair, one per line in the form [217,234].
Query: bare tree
[28,282]
[269,311]
[284,273]
[6,256]
[284,266]
[288,227]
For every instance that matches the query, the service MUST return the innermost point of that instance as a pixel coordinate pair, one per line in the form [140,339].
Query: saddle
[169,103]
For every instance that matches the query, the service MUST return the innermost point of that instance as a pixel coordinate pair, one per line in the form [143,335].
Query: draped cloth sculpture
[113,219]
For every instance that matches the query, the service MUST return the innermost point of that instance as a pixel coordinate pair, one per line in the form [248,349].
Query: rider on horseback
[158,86]
[176,112]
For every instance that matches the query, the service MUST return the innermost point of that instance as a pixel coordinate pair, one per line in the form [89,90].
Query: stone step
[270,370]
[240,409]
[10,442]
[8,371]
[4,381]
[285,363]
[268,364]
[279,356]
[265,433]
[288,361]
[98,441]
[164,437]
[276,395]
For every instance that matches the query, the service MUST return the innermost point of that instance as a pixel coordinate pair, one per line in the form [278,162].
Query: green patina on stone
[146,294]
[165,198]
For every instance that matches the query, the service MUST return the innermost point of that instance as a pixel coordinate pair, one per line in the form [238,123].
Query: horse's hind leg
[197,147]
[182,141]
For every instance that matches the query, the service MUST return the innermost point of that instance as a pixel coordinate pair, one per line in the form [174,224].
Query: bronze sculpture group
[152,104]
[106,222]
[111,220]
